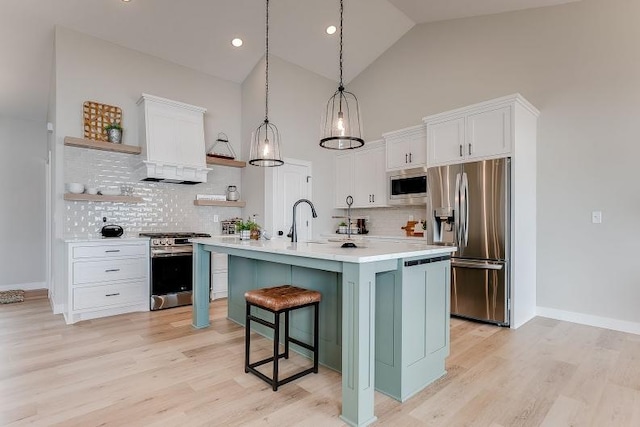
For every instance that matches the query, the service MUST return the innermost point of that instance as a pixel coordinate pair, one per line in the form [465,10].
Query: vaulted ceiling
[197,34]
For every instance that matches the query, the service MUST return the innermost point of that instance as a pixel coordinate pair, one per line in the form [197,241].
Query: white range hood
[172,137]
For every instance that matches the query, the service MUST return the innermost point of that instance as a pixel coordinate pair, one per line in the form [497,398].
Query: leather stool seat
[279,300]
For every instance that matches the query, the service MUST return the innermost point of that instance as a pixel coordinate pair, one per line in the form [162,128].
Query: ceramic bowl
[75,187]
[91,190]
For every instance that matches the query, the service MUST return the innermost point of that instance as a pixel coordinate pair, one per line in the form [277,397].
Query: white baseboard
[24,286]
[590,320]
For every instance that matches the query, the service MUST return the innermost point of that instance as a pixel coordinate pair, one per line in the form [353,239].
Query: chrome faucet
[293,233]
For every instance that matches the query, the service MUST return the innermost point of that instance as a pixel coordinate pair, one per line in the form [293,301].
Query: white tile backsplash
[388,221]
[165,207]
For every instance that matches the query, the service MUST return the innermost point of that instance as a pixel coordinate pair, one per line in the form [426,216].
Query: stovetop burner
[177,235]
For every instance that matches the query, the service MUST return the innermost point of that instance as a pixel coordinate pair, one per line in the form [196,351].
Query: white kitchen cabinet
[406,148]
[479,132]
[344,178]
[172,134]
[361,174]
[106,277]
[219,276]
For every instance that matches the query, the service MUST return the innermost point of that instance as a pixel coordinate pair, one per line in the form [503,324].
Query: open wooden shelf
[223,203]
[101,145]
[98,198]
[225,162]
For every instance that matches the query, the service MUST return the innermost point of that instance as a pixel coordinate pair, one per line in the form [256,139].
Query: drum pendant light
[341,122]
[265,143]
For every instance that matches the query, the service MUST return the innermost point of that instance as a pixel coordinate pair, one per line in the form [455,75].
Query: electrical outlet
[596,217]
[216,218]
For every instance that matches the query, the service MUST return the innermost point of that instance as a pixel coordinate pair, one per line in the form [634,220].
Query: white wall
[22,215]
[296,101]
[92,69]
[580,65]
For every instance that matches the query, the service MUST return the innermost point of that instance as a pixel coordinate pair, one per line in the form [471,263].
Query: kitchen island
[384,316]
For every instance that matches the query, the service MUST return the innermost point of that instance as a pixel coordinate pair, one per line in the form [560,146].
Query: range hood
[172,139]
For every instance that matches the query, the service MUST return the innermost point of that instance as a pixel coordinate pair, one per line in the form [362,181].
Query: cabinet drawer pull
[469,149]
[373,198]
[406,157]
[410,160]
[113,270]
[460,150]
[113,250]
[112,295]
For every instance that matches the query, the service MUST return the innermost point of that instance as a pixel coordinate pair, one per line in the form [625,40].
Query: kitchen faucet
[293,233]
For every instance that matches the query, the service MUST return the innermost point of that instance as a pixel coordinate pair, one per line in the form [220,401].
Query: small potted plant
[244,229]
[342,228]
[114,133]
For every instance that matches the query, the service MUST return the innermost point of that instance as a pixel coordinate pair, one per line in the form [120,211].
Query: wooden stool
[278,300]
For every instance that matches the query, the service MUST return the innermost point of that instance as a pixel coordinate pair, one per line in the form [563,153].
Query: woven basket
[96,116]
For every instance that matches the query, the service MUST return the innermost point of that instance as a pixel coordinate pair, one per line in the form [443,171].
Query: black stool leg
[276,348]
[286,334]
[315,337]
[247,338]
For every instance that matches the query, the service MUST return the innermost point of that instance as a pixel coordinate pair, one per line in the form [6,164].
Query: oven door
[171,280]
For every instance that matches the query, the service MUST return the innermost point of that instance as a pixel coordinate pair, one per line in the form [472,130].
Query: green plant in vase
[114,132]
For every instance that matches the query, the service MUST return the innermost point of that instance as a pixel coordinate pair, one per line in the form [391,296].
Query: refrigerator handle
[465,186]
[456,211]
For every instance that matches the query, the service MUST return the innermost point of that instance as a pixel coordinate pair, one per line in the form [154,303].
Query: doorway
[290,182]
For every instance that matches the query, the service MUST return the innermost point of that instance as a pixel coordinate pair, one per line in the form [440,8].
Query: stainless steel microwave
[407,187]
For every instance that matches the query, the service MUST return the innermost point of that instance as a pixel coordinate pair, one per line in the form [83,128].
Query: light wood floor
[154,369]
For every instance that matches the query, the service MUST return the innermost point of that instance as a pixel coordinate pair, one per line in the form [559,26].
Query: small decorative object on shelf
[96,117]
[232,193]
[224,151]
[114,133]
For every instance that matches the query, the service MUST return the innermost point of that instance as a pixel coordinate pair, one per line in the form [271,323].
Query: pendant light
[341,122]
[265,143]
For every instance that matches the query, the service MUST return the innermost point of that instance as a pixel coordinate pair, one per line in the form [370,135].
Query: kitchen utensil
[75,187]
[110,230]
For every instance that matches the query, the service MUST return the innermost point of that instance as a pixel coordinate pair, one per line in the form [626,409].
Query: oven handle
[170,254]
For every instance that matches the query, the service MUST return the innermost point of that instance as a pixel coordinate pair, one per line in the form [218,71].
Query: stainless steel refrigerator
[469,207]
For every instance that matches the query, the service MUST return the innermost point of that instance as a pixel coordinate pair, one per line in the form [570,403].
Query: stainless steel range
[171,268]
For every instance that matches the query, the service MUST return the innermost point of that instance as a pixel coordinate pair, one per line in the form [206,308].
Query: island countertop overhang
[368,251]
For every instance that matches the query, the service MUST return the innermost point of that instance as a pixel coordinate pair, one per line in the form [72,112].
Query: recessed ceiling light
[331,29]
[236,42]
[126,1]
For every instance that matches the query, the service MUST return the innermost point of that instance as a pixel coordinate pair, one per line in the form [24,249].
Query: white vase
[245,234]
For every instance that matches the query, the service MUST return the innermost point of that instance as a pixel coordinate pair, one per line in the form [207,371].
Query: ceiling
[197,34]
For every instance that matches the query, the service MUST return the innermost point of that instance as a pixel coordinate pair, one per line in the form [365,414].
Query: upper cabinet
[478,132]
[406,148]
[173,137]
[361,174]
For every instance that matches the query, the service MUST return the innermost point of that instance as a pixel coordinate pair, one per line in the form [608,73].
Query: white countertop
[367,250]
[89,239]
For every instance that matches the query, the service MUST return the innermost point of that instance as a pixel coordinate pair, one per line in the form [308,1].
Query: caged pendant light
[341,123]
[265,143]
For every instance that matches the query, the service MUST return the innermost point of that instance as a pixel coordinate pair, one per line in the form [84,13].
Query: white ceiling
[197,34]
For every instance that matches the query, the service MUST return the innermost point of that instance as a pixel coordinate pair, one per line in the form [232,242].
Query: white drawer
[105,296]
[109,270]
[109,251]
[219,262]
